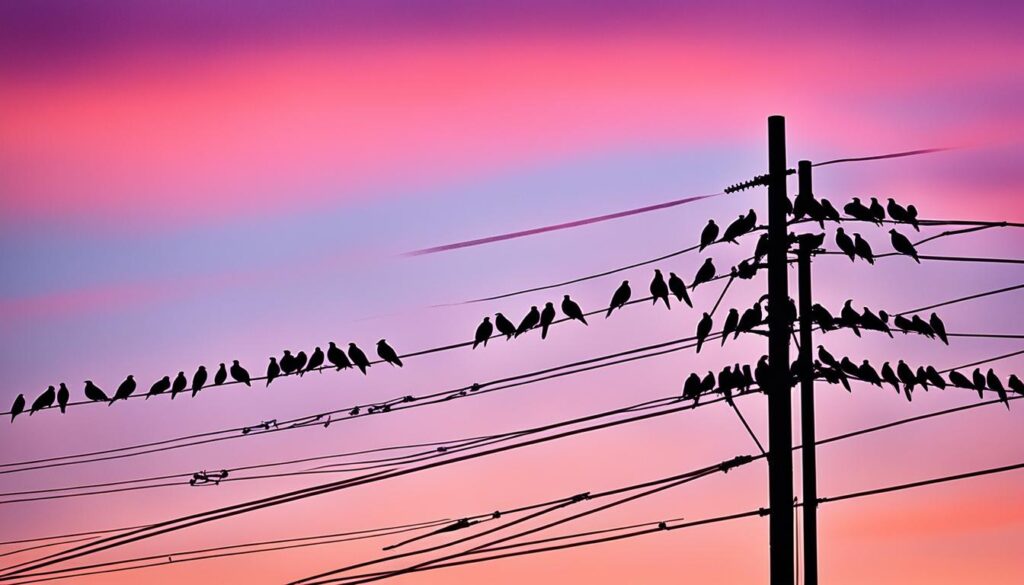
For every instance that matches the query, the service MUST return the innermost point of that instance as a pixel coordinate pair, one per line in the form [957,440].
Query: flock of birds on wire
[803,205]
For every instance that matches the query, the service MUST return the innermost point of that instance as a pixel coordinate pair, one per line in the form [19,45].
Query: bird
[691,387]
[198,380]
[94,393]
[62,397]
[903,323]
[619,298]
[178,385]
[868,374]
[919,325]
[905,374]
[708,235]
[872,321]
[300,361]
[388,354]
[922,377]
[857,210]
[159,387]
[828,210]
[896,211]
[877,211]
[901,244]
[1015,384]
[761,373]
[337,357]
[845,244]
[483,332]
[912,217]
[659,289]
[739,227]
[18,407]
[547,316]
[761,247]
[708,383]
[959,380]
[504,326]
[935,377]
[358,357]
[991,379]
[850,317]
[287,362]
[316,359]
[884,318]
[704,274]
[979,382]
[751,318]
[863,249]
[827,358]
[823,317]
[240,374]
[731,321]
[703,329]
[890,376]
[45,400]
[124,390]
[530,321]
[848,367]
[938,327]
[221,376]
[572,310]
[273,370]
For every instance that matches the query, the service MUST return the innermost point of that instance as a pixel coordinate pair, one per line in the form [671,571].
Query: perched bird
[337,357]
[239,374]
[857,210]
[124,390]
[761,373]
[823,317]
[868,374]
[731,321]
[547,316]
[316,359]
[877,211]
[872,321]
[863,249]
[959,380]
[530,321]
[659,289]
[18,407]
[45,400]
[691,387]
[619,298]
[726,383]
[735,229]
[922,377]
[979,382]
[849,368]
[935,377]
[896,211]
[159,387]
[903,324]
[905,374]
[938,327]
[708,235]
[287,363]
[179,384]
[300,361]
[504,326]
[890,376]
[845,244]
[1015,384]
[850,317]
[704,274]
[358,357]
[827,358]
[198,380]
[708,383]
[703,329]
[828,211]
[751,318]
[912,217]
[572,310]
[901,244]
[761,248]
[221,376]
[483,332]
[273,370]
[991,379]
[62,397]
[388,354]
[94,393]
[919,325]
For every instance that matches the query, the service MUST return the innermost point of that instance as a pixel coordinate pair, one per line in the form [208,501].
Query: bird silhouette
[740,226]
[240,374]
[979,382]
[896,211]
[912,217]
[850,317]
[935,377]
[45,400]
[703,329]
[198,380]
[863,249]
[159,387]
[287,362]
[62,397]
[1015,384]
[761,247]
[704,274]
[901,244]
[890,376]
[849,368]
[659,289]
[938,327]
[903,324]
[388,354]
[708,383]
[94,393]
[300,362]
[504,326]
[731,321]
[762,375]
[124,390]
[547,316]
[827,358]
[751,318]
[619,298]
[316,359]
[358,357]
[991,379]
[868,374]
[530,321]
[18,407]
[337,357]
[828,210]
[845,244]
[922,377]
[273,370]
[572,310]
[959,380]
[872,321]
[708,235]
[691,387]
[877,211]
[179,384]
[823,318]
[483,332]
[221,376]
[857,210]
[919,325]
[905,374]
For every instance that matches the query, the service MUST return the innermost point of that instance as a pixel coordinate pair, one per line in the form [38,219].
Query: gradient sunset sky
[192,182]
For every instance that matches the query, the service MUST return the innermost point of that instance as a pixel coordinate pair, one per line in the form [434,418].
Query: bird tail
[667,306]
[609,313]
[398,362]
[544,332]
[700,342]
[584,319]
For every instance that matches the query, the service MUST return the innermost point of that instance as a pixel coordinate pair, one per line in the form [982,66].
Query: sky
[187,183]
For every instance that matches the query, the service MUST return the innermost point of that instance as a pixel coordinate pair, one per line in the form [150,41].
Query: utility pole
[810,466]
[780,416]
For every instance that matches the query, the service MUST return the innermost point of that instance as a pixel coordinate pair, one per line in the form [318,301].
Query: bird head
[331,344]
[891,200]
[50,388]
[381,342]
[287,353]
[565,297]
[848,303]
[202,368]
[273,360]
[130,377]
[874,200]
[234,362]
[840,230]
[856,199]
[657,271]
[883,316]
[486,320]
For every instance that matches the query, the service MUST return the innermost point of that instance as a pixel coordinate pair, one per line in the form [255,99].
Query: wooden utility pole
[810,466]
[780,416]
